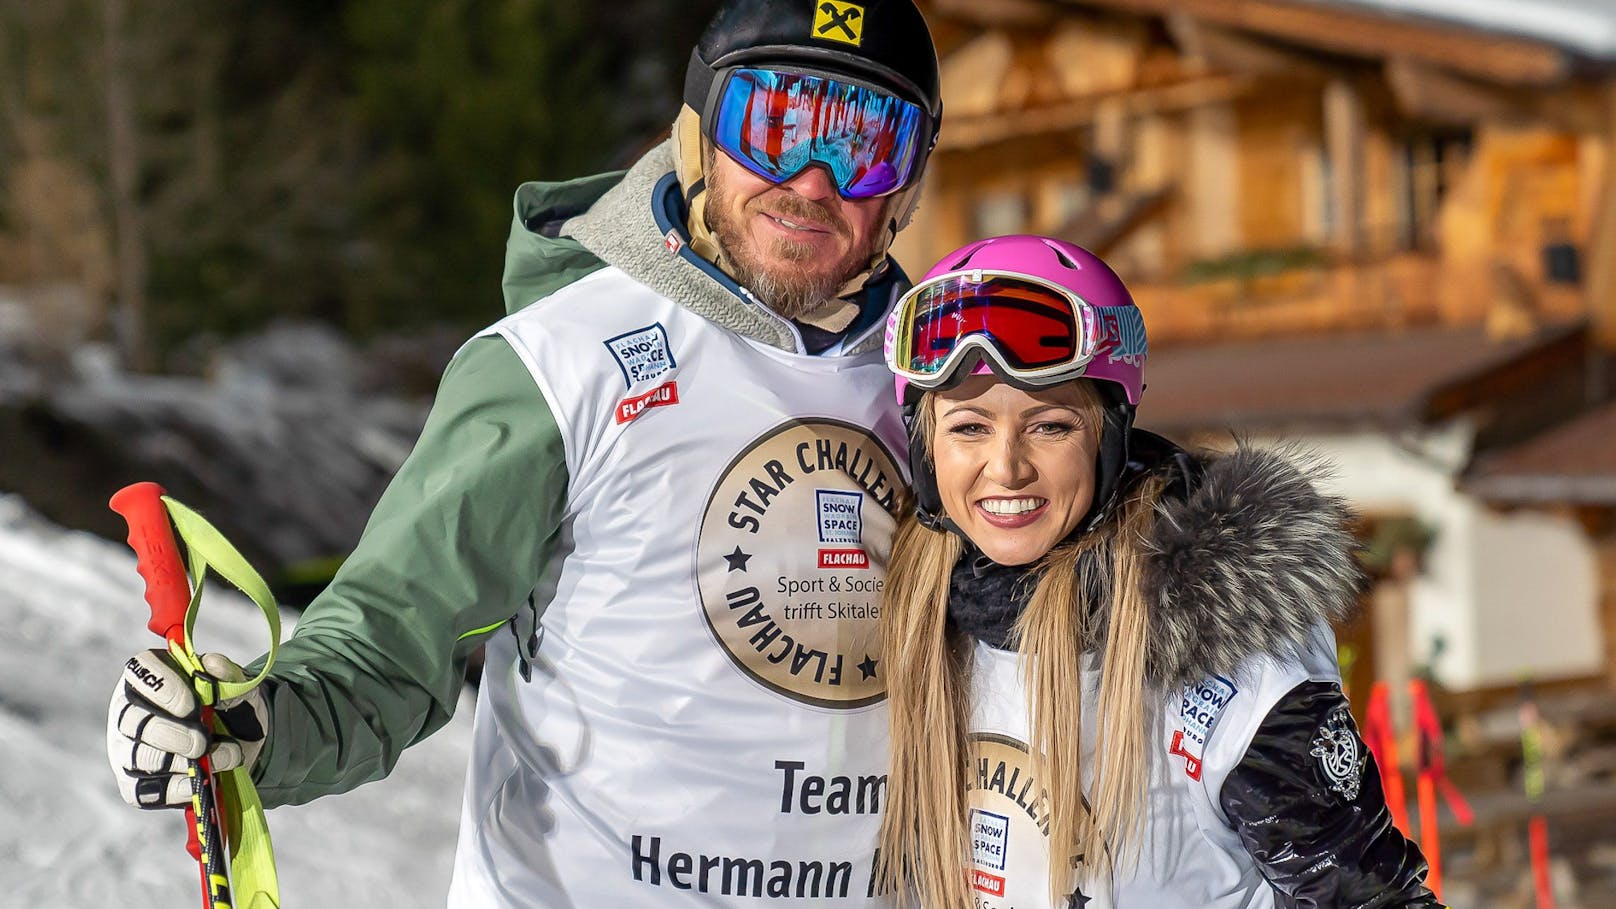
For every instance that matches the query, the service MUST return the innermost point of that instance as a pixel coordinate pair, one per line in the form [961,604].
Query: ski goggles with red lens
[777,123]
[1032,331]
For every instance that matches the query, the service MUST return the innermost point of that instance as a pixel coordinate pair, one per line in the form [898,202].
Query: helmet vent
[1063,257]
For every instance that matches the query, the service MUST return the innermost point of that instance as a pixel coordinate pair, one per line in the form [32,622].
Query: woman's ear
[922,465]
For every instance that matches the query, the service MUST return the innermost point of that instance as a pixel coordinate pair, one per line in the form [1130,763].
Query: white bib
[1190,857]
[703,720]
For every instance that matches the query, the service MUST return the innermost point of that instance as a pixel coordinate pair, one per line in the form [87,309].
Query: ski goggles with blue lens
[777,123]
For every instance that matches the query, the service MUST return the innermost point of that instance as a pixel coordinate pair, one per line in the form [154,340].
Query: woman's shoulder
[1246,558]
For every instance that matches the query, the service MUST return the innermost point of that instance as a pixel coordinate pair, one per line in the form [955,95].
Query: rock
[278,447]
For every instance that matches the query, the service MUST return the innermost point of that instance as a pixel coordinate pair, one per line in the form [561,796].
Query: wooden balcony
[1403,290]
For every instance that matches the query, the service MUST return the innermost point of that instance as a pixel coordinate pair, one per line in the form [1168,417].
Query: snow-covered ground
[70,613]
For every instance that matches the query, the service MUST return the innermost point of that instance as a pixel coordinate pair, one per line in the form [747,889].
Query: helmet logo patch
[1124,334]
[835,21]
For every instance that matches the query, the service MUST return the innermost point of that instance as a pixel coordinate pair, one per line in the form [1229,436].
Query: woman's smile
[1010,513]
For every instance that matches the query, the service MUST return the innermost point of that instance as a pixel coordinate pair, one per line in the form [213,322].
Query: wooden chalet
[1273,166]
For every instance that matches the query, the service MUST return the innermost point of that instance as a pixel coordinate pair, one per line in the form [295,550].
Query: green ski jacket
[449,555]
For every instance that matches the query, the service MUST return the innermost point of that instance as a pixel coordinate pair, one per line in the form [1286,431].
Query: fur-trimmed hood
[1247,561]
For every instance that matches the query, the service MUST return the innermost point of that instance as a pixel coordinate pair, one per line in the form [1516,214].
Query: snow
[70,613]
[1585,26]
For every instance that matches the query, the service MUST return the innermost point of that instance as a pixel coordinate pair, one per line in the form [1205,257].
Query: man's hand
[155,725]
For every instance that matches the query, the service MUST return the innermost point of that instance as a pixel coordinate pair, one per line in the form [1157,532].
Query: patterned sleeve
[1306,801]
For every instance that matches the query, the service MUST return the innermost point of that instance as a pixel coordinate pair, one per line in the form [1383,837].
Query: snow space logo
[990,835]
[1198,712]
[642,354]
[842,526]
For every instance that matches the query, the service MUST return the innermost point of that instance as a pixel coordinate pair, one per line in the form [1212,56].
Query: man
[661,491]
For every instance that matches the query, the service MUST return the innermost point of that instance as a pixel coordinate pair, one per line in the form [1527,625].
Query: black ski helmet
[883,42]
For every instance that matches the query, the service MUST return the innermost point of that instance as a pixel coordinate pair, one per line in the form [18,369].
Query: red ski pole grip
[157,557]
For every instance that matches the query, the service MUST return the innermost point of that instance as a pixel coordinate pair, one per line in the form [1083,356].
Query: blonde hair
[923,841]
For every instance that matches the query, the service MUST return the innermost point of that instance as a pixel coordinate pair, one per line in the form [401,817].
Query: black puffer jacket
[1246,557]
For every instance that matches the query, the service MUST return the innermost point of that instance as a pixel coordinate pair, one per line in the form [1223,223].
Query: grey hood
[626,230]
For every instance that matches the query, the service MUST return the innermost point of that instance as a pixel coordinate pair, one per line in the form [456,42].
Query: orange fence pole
[1433,776]
[1381,737]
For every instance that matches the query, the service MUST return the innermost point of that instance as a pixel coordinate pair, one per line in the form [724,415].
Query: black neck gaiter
[985,598]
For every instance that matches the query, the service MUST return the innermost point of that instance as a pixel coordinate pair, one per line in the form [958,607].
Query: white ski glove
[155,724]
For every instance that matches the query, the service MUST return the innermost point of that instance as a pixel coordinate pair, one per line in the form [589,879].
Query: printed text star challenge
[867,668]
[737,559]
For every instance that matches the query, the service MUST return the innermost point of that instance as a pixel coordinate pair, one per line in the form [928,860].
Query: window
[999,212]
[1432,162]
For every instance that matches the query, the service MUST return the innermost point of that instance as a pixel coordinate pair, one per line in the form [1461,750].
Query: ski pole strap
[207,548]
[1531,752]
[252,857]
[1533,778]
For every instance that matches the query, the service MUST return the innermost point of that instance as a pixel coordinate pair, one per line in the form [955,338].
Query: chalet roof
[1523,43]
[1336,381]
[1587,27]
[1574,462]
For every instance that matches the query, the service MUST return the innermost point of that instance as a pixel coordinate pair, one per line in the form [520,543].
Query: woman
[1103,649]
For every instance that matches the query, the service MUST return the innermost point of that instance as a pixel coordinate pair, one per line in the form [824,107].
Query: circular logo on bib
[1009,829]
[792,558]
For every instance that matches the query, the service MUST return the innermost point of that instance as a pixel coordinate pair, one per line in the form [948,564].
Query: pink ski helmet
[1036,312]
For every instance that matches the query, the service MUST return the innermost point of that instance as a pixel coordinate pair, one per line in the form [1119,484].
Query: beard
[789,278]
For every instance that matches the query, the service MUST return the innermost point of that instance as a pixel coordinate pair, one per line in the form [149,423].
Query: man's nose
[814,182]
